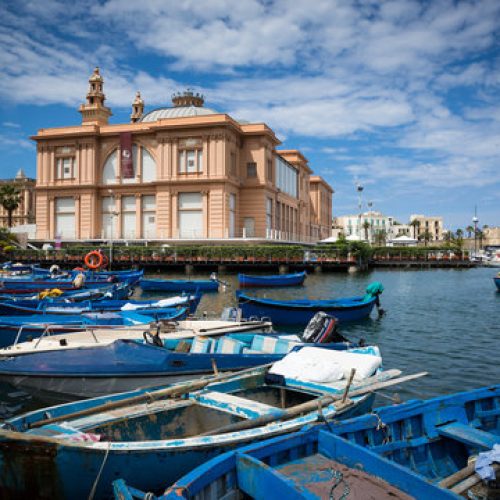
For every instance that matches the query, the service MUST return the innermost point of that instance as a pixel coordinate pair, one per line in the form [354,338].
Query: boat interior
[198,412]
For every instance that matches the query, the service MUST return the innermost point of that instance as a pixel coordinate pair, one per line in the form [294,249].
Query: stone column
[205,210]
[77,216]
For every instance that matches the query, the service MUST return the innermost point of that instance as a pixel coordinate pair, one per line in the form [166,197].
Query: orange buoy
[93,260]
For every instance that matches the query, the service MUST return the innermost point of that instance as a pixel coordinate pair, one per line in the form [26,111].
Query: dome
[176,112]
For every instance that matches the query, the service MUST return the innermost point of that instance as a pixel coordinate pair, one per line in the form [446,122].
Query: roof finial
[137,108]
[188,98]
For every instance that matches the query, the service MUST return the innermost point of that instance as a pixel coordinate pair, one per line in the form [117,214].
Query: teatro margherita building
[181,172]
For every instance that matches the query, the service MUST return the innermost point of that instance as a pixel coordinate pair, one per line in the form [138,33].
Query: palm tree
[366,226]
[426,236]
[10,199]
[459,233]
[470,230]
[416,224]
[448,237]
[380,237]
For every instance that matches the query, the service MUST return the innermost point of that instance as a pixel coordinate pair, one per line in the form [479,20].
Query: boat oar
[176,390]
[310,406]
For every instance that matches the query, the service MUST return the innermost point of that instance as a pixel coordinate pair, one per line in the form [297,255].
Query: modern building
[25,212]
[432,225]
[182,172]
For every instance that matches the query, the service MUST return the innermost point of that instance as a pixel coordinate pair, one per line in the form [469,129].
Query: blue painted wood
[150,445]
[179,285]
[283,467]
[61,307]
[300,312]
[276,280]
[34,326]
[496,279]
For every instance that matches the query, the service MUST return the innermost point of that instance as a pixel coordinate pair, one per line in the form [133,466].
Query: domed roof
[176,112]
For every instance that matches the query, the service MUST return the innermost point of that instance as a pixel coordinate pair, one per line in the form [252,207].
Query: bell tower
[137,108]
[93,111]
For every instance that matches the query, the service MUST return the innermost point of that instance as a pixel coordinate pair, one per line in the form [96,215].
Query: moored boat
[439,439]
[299,312]
[294,279]
[67,373]
[43,306]
[496,279]
[14,329]
[160,285]
[308,464]
[153,437]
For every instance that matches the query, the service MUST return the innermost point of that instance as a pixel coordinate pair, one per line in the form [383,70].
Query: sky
[400,96]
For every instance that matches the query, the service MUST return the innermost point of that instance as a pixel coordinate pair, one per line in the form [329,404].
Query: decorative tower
[187,98]
[94,112]
[137,108]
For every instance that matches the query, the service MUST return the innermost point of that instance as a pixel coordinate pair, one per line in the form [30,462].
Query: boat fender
[79,280]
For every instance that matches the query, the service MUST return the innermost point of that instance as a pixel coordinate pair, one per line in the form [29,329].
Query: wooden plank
[469,435]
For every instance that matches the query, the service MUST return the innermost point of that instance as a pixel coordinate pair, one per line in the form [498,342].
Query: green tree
[470,230]
[448,237]
[10,199]
[380,237]
[366,226]
[426,236]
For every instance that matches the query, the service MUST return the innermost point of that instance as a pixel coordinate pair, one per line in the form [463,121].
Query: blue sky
[402,96]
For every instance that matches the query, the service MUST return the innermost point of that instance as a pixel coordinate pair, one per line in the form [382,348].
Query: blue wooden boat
[435,438]
[496,279]
[65,373]
[309,464]
[294,279]
[21,285]
[15,329]
[158,285]
[119,291]
[299,312]
[20,307]
[153,437]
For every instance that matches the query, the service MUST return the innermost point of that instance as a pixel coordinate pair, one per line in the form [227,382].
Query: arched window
[111,166]
[109,172]
[148,166]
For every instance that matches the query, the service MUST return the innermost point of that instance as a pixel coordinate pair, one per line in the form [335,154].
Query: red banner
[126,158]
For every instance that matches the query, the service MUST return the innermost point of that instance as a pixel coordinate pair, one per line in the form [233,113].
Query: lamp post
[113,214]
[359,189]
[475,220]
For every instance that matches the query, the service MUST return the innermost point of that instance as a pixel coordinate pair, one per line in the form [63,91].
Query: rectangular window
[65,218]
[249,227]
[287,177]
[251,169]
[190,220]
[149,216]
[65,167]
[270,170]
[129,217]
[109,217]
[190,161]
[269,214]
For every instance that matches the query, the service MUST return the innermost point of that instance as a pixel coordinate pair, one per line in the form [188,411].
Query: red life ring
[93,260]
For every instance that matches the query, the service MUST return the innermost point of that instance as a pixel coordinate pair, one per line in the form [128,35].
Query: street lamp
[475,220]
[113,214]
[359,189]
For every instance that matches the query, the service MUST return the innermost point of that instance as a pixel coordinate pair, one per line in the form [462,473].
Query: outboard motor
[321,328]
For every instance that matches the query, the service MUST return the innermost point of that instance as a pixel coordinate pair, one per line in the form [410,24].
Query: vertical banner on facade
[126,159]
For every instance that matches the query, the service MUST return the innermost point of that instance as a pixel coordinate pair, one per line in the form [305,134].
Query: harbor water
[443,321]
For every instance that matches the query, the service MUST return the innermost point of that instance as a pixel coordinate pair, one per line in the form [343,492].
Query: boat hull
[179,285]
[50,469]
[278,280]
[497,282]
[287,313]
